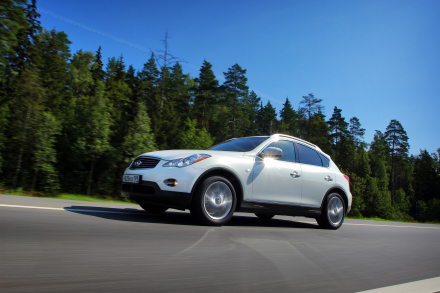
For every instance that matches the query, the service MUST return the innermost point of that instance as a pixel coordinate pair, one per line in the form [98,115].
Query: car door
[279,180]
[317,177]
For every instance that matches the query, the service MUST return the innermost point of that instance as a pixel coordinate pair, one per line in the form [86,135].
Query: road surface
[50,245]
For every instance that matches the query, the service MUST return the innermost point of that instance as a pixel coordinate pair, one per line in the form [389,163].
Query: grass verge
[385,220]
[66,196]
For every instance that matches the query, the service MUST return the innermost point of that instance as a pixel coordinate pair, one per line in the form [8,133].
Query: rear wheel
[153,209]
[264,216]
[214,201]
[333,212]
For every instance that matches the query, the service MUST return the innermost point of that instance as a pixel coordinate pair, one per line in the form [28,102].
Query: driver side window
[287,148]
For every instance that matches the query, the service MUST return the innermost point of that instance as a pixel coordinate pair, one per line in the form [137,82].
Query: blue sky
[375,60]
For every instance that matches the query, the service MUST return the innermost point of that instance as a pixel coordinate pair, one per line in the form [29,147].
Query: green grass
[66,196]
[385,220]
[88,198]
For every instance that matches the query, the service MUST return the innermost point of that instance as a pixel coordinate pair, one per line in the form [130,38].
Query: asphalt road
[73,246]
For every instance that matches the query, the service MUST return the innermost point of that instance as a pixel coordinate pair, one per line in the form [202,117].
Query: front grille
[144,162]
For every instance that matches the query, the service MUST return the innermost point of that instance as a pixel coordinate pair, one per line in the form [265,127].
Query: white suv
[265,175]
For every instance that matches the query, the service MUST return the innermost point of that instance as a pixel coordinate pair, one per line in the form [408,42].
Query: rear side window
[308,156]
[325,160]
[287,148]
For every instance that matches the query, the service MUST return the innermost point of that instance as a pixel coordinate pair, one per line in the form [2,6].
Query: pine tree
[13,20]
[179,91]
[79,78]
[97,72]
[97,69]
[339,134]
[27,52]
[398,145]
[170,128]
[139,138]
[268,118]
[117,90]
[235,94]
[311,106]
[319,130]
[168,119]
[82,88]
[362,169]
[54,50]
[356,132]
[206,94]
[44,152]
[95,129]
[25,107]
[378,153]
[252,109]
[133,81]
[380,197]
[150,91]
[355,137]
[289,119]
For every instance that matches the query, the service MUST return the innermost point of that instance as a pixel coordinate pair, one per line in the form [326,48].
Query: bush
[433,210]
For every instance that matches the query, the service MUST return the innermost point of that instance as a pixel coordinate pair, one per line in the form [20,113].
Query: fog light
[170,182]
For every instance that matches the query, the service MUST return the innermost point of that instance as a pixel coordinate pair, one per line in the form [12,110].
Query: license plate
[130,178]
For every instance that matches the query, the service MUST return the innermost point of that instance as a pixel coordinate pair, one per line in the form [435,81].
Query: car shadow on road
[172,217]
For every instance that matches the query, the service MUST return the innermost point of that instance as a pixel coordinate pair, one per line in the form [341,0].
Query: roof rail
[299,139]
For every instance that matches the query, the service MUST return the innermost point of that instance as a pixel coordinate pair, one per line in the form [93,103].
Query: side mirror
[271,153]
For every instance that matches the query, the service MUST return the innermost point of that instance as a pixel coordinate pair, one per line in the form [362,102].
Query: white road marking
[66,209]
[133,212]
[354,224]
[423,286]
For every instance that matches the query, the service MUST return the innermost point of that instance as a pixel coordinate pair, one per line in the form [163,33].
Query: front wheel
[214,201]
[333,212]
[153,209]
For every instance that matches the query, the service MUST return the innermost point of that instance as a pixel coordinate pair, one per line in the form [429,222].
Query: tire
[264,216]
[333,212]
[153,209]
[214,202]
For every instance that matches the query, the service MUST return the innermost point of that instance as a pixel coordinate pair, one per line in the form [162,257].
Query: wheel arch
[228,174]
[341,192]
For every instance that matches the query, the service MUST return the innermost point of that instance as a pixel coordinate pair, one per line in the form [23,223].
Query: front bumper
[348,210]
[149,192]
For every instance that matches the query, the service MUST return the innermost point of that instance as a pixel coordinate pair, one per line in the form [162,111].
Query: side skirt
[279,209]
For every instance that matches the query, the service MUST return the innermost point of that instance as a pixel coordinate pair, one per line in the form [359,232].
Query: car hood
[177,154]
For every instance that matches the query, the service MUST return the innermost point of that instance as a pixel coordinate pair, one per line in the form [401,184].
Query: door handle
[328,178]
[295,174]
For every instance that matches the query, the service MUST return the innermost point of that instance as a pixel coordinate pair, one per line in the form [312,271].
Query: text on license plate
[130,178]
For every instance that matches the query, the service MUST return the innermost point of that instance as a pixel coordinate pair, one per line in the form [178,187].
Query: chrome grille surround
[144,163]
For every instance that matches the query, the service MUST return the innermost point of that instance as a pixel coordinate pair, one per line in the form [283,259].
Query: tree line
[70,124]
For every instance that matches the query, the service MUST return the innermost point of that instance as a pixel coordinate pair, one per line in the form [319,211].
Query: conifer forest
[72,122]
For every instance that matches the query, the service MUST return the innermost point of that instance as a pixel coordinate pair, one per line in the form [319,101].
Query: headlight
[179,163]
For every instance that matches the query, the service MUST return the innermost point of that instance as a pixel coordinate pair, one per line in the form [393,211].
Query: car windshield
[244,144]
